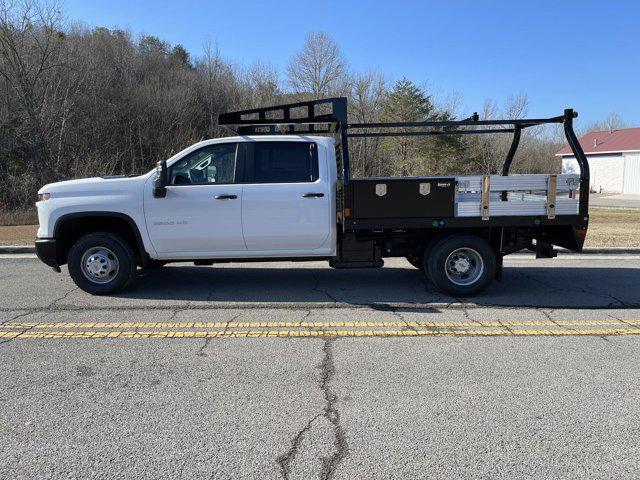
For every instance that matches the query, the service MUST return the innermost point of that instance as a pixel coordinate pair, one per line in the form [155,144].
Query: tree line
[77,102]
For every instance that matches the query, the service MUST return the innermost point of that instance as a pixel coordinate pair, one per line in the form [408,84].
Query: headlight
[43,196]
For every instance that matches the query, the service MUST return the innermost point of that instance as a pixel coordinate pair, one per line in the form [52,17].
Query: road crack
[330,413]
[285,459]
[398,314]
[20,315]
[316,287]
[201,350]
[54,305]
[232,319]
[20,333]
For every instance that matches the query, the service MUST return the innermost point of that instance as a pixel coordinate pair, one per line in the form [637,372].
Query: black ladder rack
[310,117]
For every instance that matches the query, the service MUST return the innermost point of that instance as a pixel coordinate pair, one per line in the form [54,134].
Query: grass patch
[18,234]
[613,227]
[18,217]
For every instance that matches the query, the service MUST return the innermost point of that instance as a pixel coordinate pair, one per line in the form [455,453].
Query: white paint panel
[607,172]
[191,219]
[277,216]
[631,174]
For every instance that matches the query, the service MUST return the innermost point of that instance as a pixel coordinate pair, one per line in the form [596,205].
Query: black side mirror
[161,180]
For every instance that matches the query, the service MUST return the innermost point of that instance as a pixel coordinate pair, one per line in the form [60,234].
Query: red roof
[623,140]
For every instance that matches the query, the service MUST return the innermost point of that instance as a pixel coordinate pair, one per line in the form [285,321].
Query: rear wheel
[461,265]
[102,263]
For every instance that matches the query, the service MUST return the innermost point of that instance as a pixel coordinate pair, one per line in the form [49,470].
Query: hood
[90,186]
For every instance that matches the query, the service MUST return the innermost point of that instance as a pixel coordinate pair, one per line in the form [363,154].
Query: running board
[334,263]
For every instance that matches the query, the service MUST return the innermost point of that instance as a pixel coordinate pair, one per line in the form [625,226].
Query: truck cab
[228,198]
[246,197]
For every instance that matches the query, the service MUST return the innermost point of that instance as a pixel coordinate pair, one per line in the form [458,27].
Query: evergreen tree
[420,155]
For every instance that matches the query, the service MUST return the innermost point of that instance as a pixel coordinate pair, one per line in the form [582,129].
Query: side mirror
[161,180]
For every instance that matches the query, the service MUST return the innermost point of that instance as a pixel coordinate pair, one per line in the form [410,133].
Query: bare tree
[516,106]
[488,151]
[262,85]
[319,69]
[367,93]
[611,122]
[30,44]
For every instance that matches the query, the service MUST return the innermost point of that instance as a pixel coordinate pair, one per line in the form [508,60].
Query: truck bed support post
[512,153]
[486,196]
[581,158]
[552,187]
[345,154]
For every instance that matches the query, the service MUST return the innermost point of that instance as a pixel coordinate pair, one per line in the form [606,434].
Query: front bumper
[47,251]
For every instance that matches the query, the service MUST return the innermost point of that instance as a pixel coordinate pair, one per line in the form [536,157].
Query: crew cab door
[286,203]
[201,213]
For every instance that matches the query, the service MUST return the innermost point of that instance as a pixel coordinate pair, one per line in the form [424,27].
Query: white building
[614,160]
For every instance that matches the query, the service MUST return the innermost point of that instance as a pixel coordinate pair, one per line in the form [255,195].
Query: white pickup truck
[268,195]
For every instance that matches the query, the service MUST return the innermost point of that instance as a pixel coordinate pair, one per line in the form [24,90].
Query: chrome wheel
[99,265]
[464,266]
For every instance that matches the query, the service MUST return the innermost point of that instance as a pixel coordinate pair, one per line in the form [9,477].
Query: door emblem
[425,188]
[381,189]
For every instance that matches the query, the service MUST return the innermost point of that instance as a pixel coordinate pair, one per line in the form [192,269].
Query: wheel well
[71,228]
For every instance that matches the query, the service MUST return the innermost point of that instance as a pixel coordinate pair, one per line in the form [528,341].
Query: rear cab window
[284,162]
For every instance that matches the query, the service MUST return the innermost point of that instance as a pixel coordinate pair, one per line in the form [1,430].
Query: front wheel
[102,263]
[461,265]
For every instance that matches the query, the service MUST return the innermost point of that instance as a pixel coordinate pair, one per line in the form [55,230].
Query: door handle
[313,195]
[225,197]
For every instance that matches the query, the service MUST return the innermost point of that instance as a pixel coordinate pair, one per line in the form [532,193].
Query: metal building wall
[631,174]
[607,172]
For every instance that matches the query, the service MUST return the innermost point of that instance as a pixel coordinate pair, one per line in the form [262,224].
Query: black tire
[416,262]
[446,261]
[104,248]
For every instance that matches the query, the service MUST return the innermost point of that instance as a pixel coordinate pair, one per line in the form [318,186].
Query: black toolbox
[402,197]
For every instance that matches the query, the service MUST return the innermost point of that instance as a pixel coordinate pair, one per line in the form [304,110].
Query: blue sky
[580,54]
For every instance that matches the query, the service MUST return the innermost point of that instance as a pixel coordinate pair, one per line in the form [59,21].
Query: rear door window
[284,162]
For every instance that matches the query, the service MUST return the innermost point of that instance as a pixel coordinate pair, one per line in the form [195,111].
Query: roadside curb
[17,249]
[604,251]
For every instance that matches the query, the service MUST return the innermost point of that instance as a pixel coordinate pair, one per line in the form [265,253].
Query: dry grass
[613,227]
[608,228]
[18,217]
[18,234]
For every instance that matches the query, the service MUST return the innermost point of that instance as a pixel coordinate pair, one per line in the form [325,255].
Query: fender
[144,255]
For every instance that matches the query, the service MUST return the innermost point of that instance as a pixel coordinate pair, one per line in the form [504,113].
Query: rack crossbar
[429,133]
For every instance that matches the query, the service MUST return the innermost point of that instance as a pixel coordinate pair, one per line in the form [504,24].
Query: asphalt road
[301,372]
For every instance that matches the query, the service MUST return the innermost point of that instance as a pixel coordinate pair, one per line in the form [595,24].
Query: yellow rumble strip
[307,329]
[341,324]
